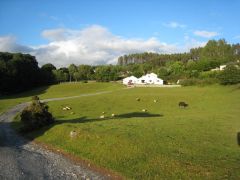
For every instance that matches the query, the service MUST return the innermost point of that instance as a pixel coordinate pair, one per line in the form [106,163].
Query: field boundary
[152,85]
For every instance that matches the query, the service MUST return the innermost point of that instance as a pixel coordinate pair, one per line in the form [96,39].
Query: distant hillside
[214,50]
[159,59]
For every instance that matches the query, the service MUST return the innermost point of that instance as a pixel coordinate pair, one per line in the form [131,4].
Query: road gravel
[22,159]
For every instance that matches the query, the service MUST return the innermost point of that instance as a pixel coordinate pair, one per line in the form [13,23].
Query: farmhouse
[146,79]
[130,80]
[150,79]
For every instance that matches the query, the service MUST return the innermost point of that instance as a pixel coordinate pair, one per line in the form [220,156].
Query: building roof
[131,77]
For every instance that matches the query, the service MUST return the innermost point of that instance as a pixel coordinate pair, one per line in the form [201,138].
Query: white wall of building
[222,67]
[146,79]
[131,79]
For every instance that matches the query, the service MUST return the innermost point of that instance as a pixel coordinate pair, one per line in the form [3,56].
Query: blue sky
[180,24]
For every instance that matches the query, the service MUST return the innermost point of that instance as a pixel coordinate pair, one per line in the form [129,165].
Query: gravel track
[21,159]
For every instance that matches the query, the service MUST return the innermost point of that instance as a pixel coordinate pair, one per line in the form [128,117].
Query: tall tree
[18,72]
[47,73]
[72,70]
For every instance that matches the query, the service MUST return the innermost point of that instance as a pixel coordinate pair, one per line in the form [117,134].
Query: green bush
[208,81]
[198,82]
[35,115]
[208,74]
[189,82]
[230,75]
[192,73]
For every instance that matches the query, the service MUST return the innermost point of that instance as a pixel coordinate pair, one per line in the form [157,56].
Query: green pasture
[165,142]
[59,90]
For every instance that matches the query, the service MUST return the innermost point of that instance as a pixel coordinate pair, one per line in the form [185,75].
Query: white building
[130,80]
[146,79]
[215,69]
[222,67]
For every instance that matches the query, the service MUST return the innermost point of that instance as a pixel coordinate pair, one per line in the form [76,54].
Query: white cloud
[8,43]
[237,37]
[193,43]
[174,24]
[54,34]
[92,45]
[205,34]
[190,42]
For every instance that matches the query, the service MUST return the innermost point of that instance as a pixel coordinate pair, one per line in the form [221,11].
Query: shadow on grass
[12,139]
[29,93]
[84,119]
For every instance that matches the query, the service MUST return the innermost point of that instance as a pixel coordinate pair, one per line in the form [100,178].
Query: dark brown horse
[182,104]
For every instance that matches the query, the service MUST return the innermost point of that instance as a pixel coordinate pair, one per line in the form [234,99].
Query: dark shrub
[189,82]
[36,115]
[85,81]
[230,75]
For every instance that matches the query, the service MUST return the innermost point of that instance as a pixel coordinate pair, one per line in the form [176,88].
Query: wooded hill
[219,51]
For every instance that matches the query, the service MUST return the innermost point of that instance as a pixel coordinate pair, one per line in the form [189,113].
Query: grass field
[60,90]
[165,142]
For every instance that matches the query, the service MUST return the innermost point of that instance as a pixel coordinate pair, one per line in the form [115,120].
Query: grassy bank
[165,142]
[60,90]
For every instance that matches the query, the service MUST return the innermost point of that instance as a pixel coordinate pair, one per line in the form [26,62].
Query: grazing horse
[182,104]
[238,138]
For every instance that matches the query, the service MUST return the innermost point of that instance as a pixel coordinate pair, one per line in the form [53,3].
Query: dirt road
[21,159]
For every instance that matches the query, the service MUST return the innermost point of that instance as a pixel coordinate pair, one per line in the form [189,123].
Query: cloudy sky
[98,32]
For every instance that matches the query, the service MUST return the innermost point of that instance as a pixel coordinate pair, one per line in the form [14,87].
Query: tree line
[215,50]
[20,72]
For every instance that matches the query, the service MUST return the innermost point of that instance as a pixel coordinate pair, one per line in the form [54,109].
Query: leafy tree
[60,75]
[163,73]
[65,73]
[195,53]
[217,51]
[230,75]
[147,68]
[18,72]
[191,65]
[72,70]
[106,73]
[47,73]
[48,67]
[114,73]
[175,67]
[135,70]
[206,65]
[85,72]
